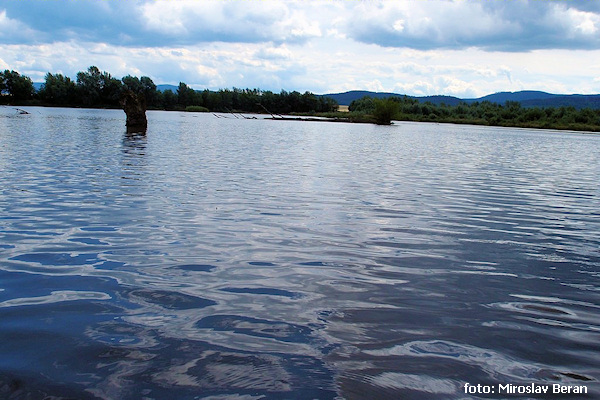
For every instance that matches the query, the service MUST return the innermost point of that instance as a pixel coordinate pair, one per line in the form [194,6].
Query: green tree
[587,116]
[186,96]
[150,91]
[89,85]
[365,105]
[226,99]
[169,99]
[132,83]
[58,89]
[532,114]
[111,90]
[98,88]
[327,104]
[385,110]
[18,87]
[143,85]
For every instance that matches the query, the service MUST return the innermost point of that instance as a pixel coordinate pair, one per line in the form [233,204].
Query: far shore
[343,115]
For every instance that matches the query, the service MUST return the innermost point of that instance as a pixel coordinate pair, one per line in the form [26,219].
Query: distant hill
[162,88]
[527,98]
[347,97]
[437,100]
[524,95]
[578,101]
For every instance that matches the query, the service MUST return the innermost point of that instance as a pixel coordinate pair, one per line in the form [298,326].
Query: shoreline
[345,116]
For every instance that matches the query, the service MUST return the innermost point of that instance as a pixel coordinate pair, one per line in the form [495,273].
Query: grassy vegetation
[480,113]
[358,117]
[196,109]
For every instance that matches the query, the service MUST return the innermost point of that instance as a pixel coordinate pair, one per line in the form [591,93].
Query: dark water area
[219,258]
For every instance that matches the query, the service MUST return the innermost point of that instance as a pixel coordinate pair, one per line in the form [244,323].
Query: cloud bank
[423,47]
[424,25]
[514,26]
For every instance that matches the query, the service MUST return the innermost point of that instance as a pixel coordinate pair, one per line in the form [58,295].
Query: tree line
[510,113]
[95,88]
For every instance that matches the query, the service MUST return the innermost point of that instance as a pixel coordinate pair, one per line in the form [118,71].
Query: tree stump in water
[134,106]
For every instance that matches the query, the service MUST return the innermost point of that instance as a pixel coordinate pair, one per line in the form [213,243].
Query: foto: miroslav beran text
[532,388]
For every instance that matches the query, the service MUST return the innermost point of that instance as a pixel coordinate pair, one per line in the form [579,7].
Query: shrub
[385,109]
[196,109]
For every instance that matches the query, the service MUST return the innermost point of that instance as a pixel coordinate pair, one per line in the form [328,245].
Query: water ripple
[55,297]
[219,258]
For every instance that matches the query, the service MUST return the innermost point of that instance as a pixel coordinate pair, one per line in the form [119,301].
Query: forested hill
[524,95]
[578,101]
[527,98]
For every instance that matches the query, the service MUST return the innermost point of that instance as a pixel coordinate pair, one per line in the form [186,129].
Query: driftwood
[19,110]
[134,106]
[265,108]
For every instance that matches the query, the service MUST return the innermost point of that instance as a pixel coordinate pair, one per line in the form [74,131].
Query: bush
[196,109]
[364,105]
[385,109]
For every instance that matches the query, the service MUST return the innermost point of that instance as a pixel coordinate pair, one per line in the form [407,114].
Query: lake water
[222,258]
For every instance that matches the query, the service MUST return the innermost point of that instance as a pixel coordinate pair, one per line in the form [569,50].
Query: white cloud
[295,67]
[456,87]
[274,53]
[499,25]
[399,25]
[3,65]
[584,23]
[187,22]
[432,47]
[12,30]
[415,88]
[512,26]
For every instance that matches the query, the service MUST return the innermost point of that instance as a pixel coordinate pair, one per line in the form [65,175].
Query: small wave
[58,259]
[264,291]
[497,365]
[171,300]
[55,297]
[421,383]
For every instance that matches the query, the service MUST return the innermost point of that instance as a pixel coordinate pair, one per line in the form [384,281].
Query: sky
[463,48]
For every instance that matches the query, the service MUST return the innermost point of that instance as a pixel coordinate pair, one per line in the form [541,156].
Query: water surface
[252,259]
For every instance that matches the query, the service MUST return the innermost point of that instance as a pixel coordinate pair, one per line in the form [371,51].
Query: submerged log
[134,106]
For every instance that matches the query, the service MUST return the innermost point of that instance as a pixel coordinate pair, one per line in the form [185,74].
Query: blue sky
[465,48]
